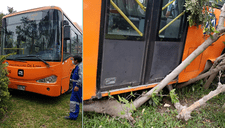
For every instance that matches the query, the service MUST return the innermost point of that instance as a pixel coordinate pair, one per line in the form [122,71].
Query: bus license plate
[21,87]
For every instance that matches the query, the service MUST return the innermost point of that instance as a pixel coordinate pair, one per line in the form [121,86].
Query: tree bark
[111,107]
[209,80]
[213,76]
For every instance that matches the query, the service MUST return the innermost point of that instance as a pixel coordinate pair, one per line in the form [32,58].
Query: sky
[72,8]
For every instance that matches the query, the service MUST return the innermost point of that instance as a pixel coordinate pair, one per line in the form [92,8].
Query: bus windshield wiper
[36,57]
[39,59]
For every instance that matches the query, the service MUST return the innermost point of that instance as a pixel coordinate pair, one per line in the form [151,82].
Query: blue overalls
[76,97]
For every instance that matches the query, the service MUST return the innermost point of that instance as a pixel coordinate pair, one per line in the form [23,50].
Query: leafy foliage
[11,10]
[4,80]
[128,105]
[1,15]
[201,12]
[156,99]
[173,96]
[4,93]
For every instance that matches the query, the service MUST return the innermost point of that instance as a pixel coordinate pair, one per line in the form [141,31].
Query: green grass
[210,115]
[34,110]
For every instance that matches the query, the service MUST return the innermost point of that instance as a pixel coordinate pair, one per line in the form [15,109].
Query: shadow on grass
[37,98]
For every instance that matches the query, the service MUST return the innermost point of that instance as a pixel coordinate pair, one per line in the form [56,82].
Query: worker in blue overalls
[76,96]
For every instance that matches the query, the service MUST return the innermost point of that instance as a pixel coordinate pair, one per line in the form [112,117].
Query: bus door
[132,51]
[165,40]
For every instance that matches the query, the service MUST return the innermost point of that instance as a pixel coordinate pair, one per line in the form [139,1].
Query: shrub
[4,93]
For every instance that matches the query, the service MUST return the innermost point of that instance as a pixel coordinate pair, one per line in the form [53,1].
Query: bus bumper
[49,89]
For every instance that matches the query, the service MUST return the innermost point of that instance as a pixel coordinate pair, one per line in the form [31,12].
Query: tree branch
[185,113]
[218,65]
[210,72]
[221,18]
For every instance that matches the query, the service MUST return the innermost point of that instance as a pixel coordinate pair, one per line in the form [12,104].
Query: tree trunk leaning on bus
[114,108]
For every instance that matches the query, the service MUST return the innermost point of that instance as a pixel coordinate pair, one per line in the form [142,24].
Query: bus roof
[78,27]
[32,10]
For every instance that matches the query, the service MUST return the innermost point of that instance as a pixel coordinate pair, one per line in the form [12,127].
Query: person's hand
[167,14]
[76,89]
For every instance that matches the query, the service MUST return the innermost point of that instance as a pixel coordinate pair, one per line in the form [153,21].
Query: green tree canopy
[10,10]
[1,15]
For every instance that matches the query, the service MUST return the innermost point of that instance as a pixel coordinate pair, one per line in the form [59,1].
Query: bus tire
[70,88]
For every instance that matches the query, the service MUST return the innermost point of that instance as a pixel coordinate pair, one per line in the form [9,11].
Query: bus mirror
[66,32]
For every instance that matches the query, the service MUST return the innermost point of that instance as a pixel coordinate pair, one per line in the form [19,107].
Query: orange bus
[132,45]
[43,41]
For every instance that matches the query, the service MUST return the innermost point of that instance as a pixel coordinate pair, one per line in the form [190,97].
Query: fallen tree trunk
[111,107]
[185,112]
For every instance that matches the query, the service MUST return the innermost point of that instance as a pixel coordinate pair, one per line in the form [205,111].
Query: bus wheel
[70,88]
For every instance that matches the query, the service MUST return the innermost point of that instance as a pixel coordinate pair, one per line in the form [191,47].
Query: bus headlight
[50,79]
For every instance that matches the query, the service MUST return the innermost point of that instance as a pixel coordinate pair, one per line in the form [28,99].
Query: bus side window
[67,44]
[66,49]
[80,45]
[118,25]
[175,29]
[74,43]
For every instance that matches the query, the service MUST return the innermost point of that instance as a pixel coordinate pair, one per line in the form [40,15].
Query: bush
[4,93]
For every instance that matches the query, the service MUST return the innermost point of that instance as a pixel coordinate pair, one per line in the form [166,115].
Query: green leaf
[4,93]
[132,94]
[110,96]
[173,96]
[216,31]
[133,107]
[120,100]
[211,36]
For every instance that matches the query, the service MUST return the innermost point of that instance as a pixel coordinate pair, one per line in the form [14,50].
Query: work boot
[67,117]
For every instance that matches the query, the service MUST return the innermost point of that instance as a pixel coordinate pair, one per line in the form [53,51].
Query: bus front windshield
[33,34]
